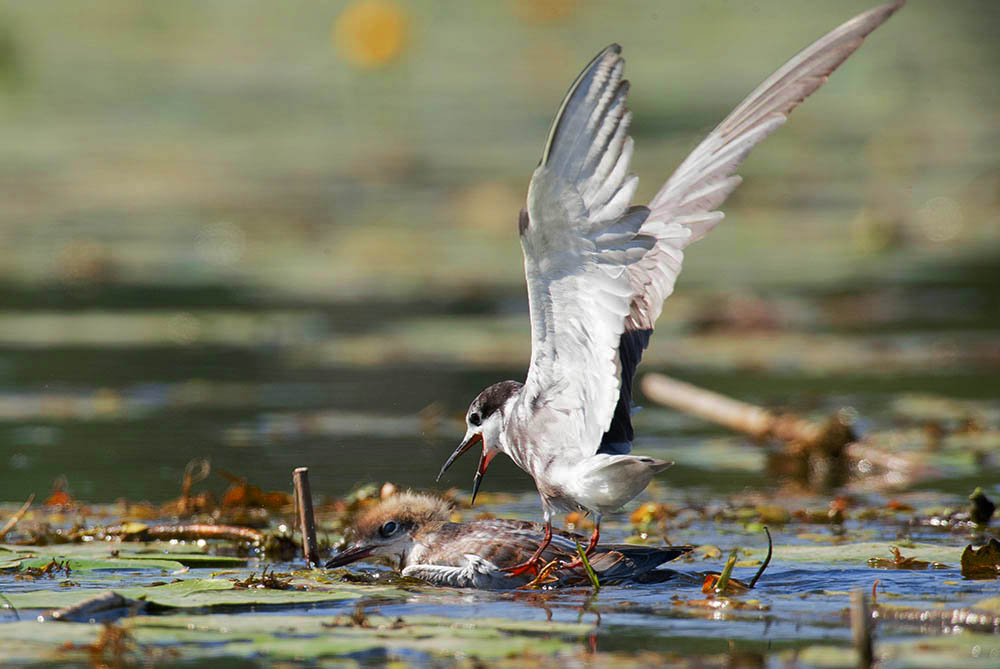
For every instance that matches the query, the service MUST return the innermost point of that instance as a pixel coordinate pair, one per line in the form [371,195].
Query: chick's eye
[389,528]
[475,419]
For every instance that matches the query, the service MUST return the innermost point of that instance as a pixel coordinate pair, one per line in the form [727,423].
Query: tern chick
[413,533]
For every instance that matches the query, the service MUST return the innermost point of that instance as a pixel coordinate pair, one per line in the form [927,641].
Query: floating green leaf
[115,551]
[205,593]
[859,553]
[299,637]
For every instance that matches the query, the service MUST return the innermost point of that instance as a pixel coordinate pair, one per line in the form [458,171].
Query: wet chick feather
[414,533]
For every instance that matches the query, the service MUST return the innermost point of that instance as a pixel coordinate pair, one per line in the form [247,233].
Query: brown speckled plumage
[472,554]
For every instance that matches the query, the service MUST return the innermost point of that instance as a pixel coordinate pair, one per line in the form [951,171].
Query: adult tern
[415,533]
[598,271]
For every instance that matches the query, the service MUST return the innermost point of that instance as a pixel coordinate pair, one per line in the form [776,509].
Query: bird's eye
[475,419]
[389,528]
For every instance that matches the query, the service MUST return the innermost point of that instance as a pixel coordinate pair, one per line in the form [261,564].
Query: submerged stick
[759,423]
[307,520]
[861,628]
[9,525]
[819,453]
[193,531]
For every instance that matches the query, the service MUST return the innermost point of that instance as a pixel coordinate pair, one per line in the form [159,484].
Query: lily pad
[299,637]
[157,550]
[860,553]
[958,650]
[204,593]
[76,564]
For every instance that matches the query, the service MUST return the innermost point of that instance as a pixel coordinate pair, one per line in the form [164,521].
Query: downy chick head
[387,530]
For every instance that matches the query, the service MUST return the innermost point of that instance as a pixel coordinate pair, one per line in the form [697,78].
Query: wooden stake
[861,628]
[307,521]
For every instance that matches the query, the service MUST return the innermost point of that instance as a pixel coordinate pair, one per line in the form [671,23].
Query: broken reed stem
[307,520]
[727,571]
[740,416]
[833,441]
[194,531]
[861,628]
[9,525]
[767,560]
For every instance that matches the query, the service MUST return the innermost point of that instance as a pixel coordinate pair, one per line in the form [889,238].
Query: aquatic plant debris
[982,562]
[897,561]
[299,637]
[12,522]
[585,561]
[177,582]
[981,508]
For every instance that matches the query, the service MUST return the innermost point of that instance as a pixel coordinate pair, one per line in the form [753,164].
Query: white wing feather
[596,268]
[683,211]
[578,240]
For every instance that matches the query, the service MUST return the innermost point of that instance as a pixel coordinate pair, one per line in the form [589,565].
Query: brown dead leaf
[251,496]
[899,562]
[651,512]
[982,562]
[59,498]
[577,521]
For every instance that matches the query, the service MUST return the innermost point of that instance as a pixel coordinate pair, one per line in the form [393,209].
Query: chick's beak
[349,555]
[469,442]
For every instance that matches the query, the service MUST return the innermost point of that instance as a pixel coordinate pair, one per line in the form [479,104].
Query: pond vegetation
[236,242]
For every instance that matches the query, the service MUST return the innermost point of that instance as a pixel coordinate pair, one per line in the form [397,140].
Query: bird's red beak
[484,460]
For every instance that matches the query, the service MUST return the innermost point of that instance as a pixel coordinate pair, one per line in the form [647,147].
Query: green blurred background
[285,233]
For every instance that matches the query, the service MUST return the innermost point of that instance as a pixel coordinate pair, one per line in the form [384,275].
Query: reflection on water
[122,418]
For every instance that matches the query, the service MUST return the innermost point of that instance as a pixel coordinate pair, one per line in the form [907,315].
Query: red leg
[532,564]
[594,538]
[591,545]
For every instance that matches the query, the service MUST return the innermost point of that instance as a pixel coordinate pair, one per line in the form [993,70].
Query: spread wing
[597,270]
[579,236]
[685,209]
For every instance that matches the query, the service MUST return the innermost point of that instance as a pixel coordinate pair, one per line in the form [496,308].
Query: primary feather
[599,270]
